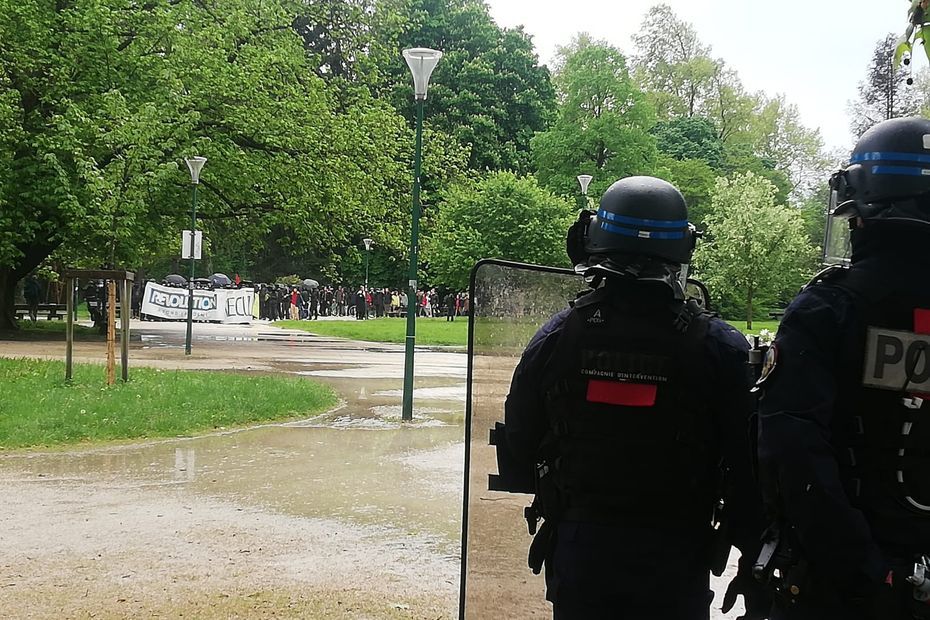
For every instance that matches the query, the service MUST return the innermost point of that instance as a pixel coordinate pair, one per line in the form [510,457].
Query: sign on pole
[191,248]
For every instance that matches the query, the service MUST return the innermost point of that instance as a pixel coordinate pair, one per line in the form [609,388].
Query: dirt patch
[95,550]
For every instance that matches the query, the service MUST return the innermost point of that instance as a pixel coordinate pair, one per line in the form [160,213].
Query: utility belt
[782,568]
[550,506]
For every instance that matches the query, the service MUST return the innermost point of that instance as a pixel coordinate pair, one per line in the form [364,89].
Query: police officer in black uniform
[631,405]
[844,438]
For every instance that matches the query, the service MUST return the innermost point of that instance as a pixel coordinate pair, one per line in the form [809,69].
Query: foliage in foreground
[39,409]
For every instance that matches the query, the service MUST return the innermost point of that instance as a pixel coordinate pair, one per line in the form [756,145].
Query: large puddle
[360,463]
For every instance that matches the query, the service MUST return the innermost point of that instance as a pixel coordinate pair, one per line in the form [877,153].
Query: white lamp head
[367,243]
[195,164]
[422,61]
[584,180]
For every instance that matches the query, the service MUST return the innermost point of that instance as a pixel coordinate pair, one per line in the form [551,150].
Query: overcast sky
[814,51]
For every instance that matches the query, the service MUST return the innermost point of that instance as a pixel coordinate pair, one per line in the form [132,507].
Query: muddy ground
[352,514]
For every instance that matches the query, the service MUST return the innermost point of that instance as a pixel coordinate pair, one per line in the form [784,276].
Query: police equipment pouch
[546,505]
[780,566]
[510,477]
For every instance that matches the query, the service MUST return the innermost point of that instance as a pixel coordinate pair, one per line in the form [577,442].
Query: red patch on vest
[921,321]
[626,394]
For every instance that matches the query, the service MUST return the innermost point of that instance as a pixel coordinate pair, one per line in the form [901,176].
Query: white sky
[814,51]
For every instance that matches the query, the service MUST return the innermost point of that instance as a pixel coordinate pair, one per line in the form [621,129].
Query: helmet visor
[837,248]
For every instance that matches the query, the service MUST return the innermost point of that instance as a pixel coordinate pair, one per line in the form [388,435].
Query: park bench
[48,311]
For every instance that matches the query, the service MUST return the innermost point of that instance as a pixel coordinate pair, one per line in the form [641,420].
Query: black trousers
[614,573]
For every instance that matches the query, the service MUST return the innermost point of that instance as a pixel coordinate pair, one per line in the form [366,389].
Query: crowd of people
[281,301]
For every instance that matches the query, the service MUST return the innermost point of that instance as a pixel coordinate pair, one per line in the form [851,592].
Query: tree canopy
[756,252]
[304,111]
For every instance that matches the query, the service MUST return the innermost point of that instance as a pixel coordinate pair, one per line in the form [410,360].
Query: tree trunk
[749,310]
[7,301]
[33,255]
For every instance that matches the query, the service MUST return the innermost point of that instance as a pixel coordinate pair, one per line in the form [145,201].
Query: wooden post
[111,332]
[69,328]
[125,312]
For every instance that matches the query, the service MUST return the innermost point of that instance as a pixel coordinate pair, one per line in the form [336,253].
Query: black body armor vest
[631,436]
[881,430]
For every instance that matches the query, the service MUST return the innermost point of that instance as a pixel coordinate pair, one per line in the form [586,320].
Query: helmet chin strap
[642,270]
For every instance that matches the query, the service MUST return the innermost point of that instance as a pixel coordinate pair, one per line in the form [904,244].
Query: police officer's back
[843,440]
[633,399]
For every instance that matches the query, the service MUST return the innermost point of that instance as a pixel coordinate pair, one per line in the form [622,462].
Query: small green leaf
[903,48]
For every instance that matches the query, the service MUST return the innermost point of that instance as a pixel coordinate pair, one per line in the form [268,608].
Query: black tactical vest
[631,435]
[881,434]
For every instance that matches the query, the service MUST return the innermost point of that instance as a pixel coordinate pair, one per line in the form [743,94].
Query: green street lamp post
[194,164]
[421,61]
[584,180]
[367,243]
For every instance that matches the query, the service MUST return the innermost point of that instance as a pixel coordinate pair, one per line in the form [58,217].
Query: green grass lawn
[441,332]
[48,330]
[757,326]
[429,331]
[38,408]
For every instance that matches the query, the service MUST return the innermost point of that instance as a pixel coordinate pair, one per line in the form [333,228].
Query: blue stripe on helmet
[635,221]
[901,171]
[889,156]
[641,234]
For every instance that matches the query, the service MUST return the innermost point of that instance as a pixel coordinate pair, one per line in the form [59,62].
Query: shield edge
[468,398]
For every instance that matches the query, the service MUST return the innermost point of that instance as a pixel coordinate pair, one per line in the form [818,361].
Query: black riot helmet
[888,176]
[641,231]
[642,216]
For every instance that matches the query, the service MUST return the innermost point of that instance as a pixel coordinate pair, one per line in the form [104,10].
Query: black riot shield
[509,302]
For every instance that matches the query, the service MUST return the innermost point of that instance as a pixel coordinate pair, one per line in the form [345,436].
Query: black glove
[756,597]
[575,240]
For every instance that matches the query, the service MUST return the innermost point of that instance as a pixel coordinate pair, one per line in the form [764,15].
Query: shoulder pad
[833,273]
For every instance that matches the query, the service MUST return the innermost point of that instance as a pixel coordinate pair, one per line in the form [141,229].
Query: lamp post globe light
[584,180]
[195,165]
[421,61]
[367,243]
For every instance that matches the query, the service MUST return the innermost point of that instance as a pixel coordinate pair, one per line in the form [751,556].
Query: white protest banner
[234,304]
[221,305]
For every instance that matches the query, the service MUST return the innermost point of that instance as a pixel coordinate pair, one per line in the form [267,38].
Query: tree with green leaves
[105,100]
[501,215]
[489,91]
[603,122]
[779,136]
[673,65]
[885,93]
[756,251]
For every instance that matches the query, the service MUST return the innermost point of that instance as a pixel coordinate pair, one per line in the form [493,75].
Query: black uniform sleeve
[733,407]
[798,468]
[524,411]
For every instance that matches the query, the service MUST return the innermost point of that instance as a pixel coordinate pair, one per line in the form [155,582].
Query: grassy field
[429,331]
[443,333]
[757,326]
[48,330]
[39,409]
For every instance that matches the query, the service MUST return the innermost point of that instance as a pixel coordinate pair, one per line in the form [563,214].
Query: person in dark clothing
[450,306]
[632,409]
[377,299]
[313,309]
[843,429]
[31,293]
[361,305]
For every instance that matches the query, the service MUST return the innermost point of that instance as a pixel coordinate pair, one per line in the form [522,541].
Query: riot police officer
[632,407]
[843,434]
